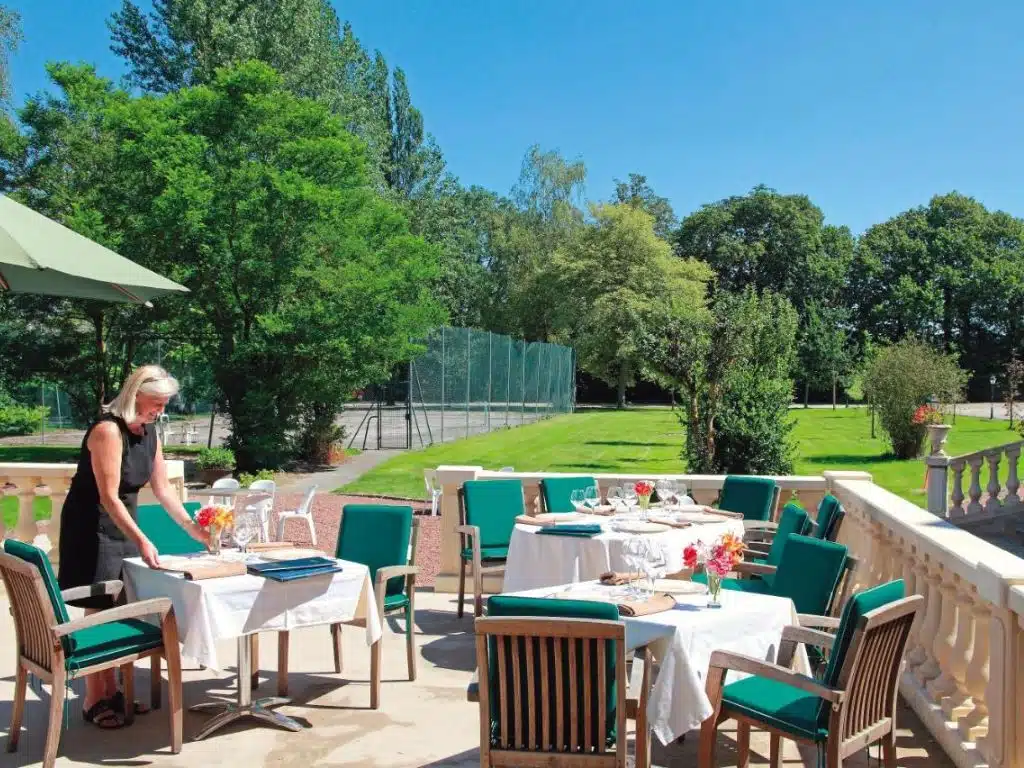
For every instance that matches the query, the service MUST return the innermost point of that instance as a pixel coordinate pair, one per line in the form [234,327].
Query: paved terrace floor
[425,724]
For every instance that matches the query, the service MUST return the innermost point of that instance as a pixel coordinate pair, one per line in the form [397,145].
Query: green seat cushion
[376,535]
[750,496]
[778,705]
[36,557]
[809,573]
[792,521]
[856,607]
[167,536]
[828,511]
[508,605]
[493,506]
[486,553]
[107,642]
[394,602]
[556,491]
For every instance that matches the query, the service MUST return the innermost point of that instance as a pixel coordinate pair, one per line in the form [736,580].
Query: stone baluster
[1012,500]
[945,641]
[917,654]
[957,496]
[999,744]
[929,668]
[993,504]
[974,490]
[913,586]
[974,724]
[882,556]
[25,529]
[954,704]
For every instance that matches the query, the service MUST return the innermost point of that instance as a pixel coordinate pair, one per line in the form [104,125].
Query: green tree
[10,38]
[614,278]
[638,193]
[823,357]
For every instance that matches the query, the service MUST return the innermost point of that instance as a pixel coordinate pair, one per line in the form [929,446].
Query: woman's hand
[149,553]
[199,534]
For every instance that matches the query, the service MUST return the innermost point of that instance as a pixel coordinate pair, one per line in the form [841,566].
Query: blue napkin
[585,530]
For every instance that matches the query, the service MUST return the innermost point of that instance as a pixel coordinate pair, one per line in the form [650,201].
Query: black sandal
[103,715]
[118,703]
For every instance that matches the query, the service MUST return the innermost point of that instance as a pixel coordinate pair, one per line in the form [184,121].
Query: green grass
[651,440]
[68,454]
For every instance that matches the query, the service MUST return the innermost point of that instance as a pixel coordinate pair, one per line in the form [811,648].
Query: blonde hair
[148,380]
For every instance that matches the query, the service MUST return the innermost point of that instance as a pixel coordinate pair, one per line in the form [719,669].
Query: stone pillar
[938,482]
[974,725]
[450,479]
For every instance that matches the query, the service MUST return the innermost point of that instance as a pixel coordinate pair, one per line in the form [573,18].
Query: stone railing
[964,671]
[32,495]
[968,487]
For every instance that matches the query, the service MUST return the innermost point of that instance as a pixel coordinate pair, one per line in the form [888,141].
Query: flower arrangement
[214,519]
[926,415]
[644,489]
[717,559]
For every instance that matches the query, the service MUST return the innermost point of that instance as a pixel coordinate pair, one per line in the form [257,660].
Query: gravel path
[327,517]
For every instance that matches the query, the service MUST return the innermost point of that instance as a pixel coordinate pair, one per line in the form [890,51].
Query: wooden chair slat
[500,640]
[574,713]
[517,697]
[559,688]
[588,730]
[546,648]
[602,697]
[531,697]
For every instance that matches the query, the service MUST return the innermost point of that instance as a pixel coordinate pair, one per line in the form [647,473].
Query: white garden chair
[225,484]
[303,513]
[262,508]
[430,478]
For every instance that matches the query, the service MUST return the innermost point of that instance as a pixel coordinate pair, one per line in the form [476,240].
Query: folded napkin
[722,512]
[603,509]
[549,518]
[572,529]
[263,546]
[207,570]
[669,521]
[618,578]
[654,604]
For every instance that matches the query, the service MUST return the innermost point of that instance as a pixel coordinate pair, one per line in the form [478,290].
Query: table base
[228,712]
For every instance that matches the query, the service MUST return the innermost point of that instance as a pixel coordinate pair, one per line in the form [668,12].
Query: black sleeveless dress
[91,545]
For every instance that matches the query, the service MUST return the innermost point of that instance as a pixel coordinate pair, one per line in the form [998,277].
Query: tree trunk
[807,393]
[834,383]
[620,401]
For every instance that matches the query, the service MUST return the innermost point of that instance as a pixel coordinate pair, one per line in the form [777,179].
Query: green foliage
[10,38]
[904,376]
[637,193]
[823,355]
[215,458]
[245,479]
[19,419]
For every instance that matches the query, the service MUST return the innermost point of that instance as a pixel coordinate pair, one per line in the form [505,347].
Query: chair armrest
[741,663]
[760,525]
[756,568]
[812,620]
[390,571]
[473,531]
[112,587]
[808,636]
[157,605]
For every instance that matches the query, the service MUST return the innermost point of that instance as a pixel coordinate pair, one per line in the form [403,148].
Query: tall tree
[638,193]
[10,38]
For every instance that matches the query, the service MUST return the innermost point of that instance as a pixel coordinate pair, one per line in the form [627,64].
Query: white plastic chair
[227,484]
[262,508]
[304,513]
[430,477]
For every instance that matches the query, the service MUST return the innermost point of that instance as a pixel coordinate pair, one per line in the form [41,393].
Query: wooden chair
[487,515]
[382,537]
[765,546]
[852,706]
[552,688]
[753,497]
[556,492]
[58,650]
[828,519]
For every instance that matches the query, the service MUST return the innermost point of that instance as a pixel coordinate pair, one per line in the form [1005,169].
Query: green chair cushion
[556,491]
[376,535]
[167,536]
[778,705]
[828,510]
[486,553]
[809,573]
[750,496]
[493,506]
[863,602]
[35,556]
[107,642]
[508,605]
[793,520]
[394,602]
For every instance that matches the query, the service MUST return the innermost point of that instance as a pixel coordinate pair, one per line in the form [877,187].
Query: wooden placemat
[205,569]
[263,546]
[551,518]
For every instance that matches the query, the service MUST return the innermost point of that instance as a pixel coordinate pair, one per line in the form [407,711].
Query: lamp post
[992,398]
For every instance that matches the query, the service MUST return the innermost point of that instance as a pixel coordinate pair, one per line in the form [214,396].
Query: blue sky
[869,107]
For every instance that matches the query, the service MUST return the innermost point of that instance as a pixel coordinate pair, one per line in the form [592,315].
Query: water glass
[591,498]
[576,499]
[246,529]
[666,492]
[629,496]
[615,497]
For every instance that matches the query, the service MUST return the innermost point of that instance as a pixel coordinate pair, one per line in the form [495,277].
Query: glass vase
[215,536]
[645,503]
[714,589]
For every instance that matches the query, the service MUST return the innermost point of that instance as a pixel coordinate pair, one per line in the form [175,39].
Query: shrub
[248,478]
[20,419]
[903,377]
[215,458]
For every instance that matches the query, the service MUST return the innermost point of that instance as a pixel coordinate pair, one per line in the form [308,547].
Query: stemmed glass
[615,497]
[654,563]
[246,529]
[629,496]
[576,499]
[634,552]
[591,498]
[666,492]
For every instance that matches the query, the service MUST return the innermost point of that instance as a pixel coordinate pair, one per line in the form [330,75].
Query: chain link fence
[466,382]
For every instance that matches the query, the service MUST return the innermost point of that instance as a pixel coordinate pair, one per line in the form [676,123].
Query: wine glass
[634,552]
[666,489]
[576,499]
[591,498]
[629,496]
[246,529]
[654,564]
[615,497]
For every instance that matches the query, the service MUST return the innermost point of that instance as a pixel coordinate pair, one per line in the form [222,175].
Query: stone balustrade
[32,496]
[968,487]
[964,669]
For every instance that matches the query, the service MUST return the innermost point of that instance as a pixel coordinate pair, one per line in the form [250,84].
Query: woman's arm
[169,499]
[105,449]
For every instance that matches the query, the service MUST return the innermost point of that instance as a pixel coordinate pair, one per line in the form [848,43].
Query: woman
[120,454]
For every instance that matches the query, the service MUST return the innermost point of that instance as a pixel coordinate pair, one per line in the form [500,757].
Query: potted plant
[214,463]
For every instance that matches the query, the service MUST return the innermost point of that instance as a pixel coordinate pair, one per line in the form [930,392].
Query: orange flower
[733,545]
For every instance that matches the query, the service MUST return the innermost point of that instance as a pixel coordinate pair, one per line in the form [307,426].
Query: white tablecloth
[545,561]
[211,610]
[683,639]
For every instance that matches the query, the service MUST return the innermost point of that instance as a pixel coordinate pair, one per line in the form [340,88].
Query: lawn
[68,454]
[651,440]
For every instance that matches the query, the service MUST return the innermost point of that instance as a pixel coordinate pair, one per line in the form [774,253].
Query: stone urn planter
[937,434]
[210,476]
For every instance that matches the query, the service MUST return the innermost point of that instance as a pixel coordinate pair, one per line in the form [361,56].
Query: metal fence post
[469,373]
[522,413]
[490,375]
[508,383]
[442,383]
